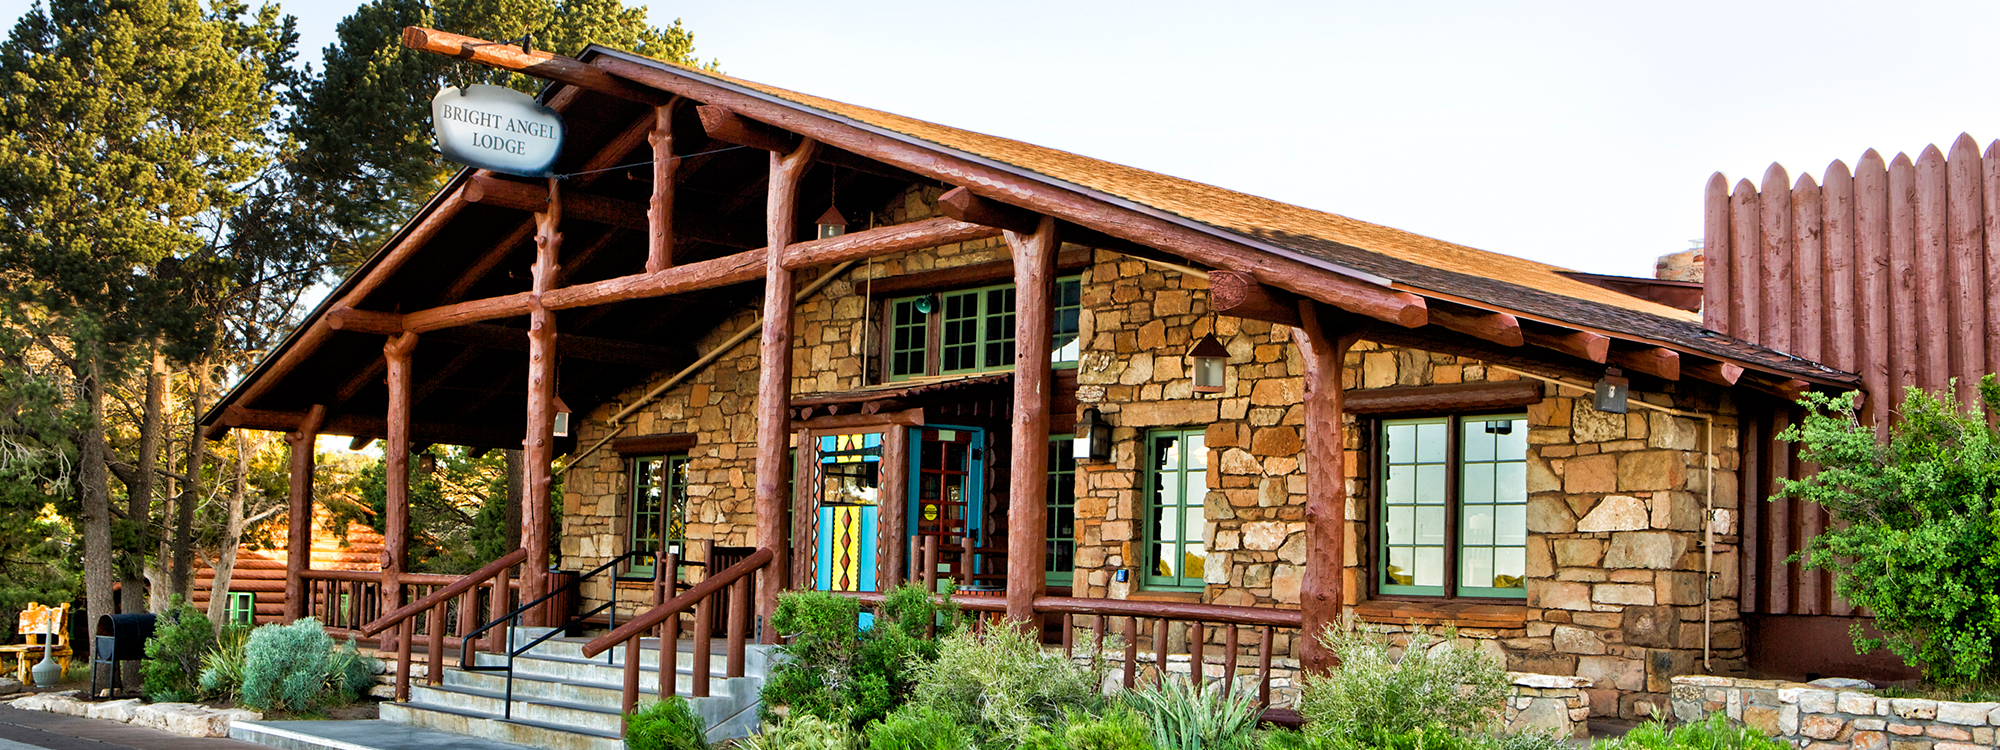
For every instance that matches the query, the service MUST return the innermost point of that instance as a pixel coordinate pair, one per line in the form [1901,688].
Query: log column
[660,212]
[396,353]
[298,536]
[539,447]
[774,376]
[1322,592]
[1027,512]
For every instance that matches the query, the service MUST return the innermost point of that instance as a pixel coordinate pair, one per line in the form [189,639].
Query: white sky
[1575,133]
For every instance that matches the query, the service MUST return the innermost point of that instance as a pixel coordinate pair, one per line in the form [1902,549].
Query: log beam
[298,529]
[660,211]
[724,125]
[522,196]
[571,346]
[895,238]
[1323,341]
[1027,513]
[344,318]
[369,428]
[539,64]
[961,204]
[539,443]
[1657,361]
[1712,371]
[397,352]
[1497,327]
[1241,295]
[1579,344]
[774,377]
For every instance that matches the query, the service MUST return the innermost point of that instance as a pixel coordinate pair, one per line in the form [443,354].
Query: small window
[1453,507]
[241,608]
[1176,521]
[657,521]
[974,330]
[1060,564]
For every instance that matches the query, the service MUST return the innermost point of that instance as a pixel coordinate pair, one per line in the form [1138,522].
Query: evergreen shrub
[836,671]
[1003,687]
[918,728]
[802,732]
[670,724]
[182,635]
[285,667]
[1716,733]
[1376,693]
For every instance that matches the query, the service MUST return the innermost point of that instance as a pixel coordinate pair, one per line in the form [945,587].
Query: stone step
[492,726]
[594,672]
[583,717]
[586,691]
[755,657]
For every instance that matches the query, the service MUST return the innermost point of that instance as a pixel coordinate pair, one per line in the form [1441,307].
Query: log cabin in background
[256,587]
[1404,429]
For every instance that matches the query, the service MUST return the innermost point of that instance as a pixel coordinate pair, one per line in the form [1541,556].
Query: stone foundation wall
[1822,716]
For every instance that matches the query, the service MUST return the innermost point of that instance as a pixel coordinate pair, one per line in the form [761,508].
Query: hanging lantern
[1211,362]
[1612,391]
[562,418]
[831,223]
[1093,437]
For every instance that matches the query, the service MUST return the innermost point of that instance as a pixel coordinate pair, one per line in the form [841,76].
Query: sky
[1579,134]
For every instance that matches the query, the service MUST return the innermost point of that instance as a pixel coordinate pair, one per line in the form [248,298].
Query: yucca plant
[1183,715]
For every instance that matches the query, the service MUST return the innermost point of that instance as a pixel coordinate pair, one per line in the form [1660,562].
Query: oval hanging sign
[496,128]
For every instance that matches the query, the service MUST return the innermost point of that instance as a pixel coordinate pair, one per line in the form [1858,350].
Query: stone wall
[1838,714]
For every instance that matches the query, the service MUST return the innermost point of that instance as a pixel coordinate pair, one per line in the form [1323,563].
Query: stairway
[564,701]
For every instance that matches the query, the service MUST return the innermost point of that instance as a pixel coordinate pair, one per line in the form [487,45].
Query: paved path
[41,730]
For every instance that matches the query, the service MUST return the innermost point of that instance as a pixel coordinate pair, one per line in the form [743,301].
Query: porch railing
[434,612]
[702,598]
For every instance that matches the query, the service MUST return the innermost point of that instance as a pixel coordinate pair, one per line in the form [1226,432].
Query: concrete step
[493,727]
[370,734]
[587,717]
[755,657]
[593,672]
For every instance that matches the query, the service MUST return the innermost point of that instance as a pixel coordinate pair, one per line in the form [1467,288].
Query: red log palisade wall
[1891,271]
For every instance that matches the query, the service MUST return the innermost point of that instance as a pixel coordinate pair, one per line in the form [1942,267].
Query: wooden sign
[496,128]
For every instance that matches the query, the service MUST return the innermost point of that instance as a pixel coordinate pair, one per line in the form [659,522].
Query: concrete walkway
[40,730]
[370,734]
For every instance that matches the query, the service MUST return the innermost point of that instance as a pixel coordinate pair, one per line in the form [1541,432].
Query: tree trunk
[95,484]
[183,551]
[232,535]
[139,496]
[515,491]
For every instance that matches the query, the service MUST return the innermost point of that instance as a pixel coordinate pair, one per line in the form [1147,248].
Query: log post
[298,537]
[895,498]
[396,353]
[660,212]
[774,377]
[1027,512]
[539,447]
[1322,592]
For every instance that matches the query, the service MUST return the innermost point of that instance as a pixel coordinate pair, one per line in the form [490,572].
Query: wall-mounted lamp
[1211,360]
[1612,391]
[562,418]
[926,304]
[831,223]
[1093,437]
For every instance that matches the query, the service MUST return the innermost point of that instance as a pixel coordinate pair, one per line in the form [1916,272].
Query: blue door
[848,478]
[947,484]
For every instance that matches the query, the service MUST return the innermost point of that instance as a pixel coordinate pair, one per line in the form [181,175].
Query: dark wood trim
[1444,399]
[976,274]
[657,443]
[539,64]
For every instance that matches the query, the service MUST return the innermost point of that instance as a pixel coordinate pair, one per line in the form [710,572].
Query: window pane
[1413,499]
[1511,528]
[1430,566]
[1478,525]
[999,318]
[907,339]
[1430,442]
[1401,526]
[1400,562]
[1476,567]
[960,348]
[1177,524]
[1402,443]
[1510,566]
[1493,494]
[1065,347]
[1430,484]
[1430,525]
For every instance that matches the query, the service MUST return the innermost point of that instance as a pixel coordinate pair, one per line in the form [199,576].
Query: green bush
[1375,694]
[1001,685]
[1714,734]
[285,666]
[802,732]
[666,725]
[835,670]
[1916,526]
[349,675]
[1181,715]
[1119,728]
[182,635]
[222,666]
[918,728]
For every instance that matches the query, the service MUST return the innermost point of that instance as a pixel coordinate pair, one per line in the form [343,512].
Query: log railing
[446,615]
[665,617]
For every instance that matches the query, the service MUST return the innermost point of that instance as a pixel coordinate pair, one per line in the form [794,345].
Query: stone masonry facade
[1615,585]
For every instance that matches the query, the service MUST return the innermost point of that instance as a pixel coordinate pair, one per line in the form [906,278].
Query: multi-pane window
[1454,506]
[1061,560]
[241,608]
[1176,524]
[972,330]
[658,517]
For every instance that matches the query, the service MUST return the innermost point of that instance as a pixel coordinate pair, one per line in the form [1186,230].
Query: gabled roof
[1386,255]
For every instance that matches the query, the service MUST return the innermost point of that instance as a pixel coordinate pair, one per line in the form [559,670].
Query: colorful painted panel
[846,548]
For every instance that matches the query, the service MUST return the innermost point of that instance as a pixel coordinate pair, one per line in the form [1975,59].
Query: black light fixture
[1612,391]
[1093,437]
[1211,362]
[562,418]
[831,223]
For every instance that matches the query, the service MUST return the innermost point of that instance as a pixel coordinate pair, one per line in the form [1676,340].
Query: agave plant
[1185,715]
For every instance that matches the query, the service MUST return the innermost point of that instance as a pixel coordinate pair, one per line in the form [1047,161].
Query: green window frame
[1452,506]
[656,517]
[1176,519]
[1060,562]
[241,608]
[972,330]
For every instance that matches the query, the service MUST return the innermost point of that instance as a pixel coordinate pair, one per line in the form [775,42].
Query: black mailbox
[119,638]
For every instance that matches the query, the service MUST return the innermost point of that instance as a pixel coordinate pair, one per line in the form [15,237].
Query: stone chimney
[1682,266]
